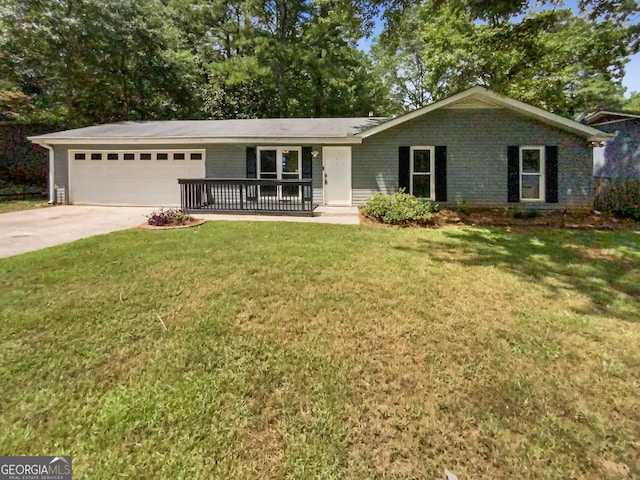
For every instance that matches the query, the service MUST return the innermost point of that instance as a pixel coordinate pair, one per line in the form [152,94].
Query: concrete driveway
[30,230]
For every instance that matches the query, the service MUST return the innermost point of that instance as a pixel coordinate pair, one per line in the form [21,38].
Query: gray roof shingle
[263,128]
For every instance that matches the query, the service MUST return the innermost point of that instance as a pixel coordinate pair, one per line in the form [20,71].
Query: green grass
[322,351]
[17,205]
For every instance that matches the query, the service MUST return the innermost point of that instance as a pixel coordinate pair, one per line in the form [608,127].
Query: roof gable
[603,117]
[479,97]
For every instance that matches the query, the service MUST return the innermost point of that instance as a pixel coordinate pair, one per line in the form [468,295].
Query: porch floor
[321,214]
[323,210]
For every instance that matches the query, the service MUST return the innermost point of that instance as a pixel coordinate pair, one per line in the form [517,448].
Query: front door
[337,175]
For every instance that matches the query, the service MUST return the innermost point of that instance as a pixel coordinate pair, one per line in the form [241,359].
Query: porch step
[326,211]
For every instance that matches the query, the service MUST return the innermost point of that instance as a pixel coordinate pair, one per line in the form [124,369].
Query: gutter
[343,140]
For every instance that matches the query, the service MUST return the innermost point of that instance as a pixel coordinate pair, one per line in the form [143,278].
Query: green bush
[464,208]
[399,208]
[620,197]
[525,213]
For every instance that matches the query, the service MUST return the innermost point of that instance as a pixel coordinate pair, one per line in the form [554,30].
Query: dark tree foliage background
[79,62]
[566,60]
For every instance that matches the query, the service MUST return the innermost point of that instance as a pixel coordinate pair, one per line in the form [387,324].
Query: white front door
[337,175]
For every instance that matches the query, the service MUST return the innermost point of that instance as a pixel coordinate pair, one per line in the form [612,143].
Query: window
[280,163]
[421,172]
[532,174]
[133,155]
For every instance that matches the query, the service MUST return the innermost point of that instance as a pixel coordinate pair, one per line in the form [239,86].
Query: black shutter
[440,171]
[252,172]
[551,174]
[307,170]
[513,169]
[404,168]
[252,165]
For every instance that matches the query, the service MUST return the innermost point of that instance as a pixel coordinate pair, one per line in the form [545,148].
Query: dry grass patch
[18,205]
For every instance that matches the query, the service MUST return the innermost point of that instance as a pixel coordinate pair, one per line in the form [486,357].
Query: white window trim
[432,182]
[542,181]
[278,161]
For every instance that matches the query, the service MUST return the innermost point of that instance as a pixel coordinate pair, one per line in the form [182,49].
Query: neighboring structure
[477,146]
[619,157]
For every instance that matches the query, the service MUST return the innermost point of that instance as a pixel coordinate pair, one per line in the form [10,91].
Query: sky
[631,79]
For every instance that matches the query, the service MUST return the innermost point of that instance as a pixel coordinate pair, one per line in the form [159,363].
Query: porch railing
[246,195]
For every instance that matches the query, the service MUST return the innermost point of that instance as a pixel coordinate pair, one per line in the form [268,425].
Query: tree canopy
[562,60]
[80,62]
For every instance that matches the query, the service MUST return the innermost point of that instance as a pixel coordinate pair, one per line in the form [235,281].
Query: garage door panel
[130,182]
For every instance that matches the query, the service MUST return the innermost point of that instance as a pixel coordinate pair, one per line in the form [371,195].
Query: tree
[632,104]
[95,61]
[550,57]
[81,62]
[281,58]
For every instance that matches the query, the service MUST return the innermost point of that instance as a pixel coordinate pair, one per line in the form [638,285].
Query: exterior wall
[229,161]
[222,161]
[620,157]
[476,141]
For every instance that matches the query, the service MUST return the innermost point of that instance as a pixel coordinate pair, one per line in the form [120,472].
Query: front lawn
[17,205]
[281,350]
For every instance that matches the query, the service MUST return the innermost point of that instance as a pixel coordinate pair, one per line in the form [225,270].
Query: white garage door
[141,177]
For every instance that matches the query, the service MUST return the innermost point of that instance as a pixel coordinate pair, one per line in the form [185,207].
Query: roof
[269,129]
[602,117]
[293,130]
[480,97]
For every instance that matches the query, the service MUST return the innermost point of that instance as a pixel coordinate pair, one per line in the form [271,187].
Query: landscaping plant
[166,217]
[620,197]
[399,209]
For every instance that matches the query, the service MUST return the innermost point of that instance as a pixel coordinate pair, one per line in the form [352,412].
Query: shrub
[464,208]
[524,213]
[168,217]
[399,209]
[620,197]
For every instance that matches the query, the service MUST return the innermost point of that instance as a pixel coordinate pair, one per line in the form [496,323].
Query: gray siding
[229,161]
[476,141]
[226,161]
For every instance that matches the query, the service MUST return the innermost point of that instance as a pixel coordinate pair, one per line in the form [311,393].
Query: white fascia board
[547,117]
[611,122]
[603,113]
[197,140]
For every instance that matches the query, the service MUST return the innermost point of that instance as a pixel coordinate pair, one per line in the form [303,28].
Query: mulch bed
[574,220]
[192,223]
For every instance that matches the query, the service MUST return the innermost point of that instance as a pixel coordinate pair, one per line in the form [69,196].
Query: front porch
[247,196]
